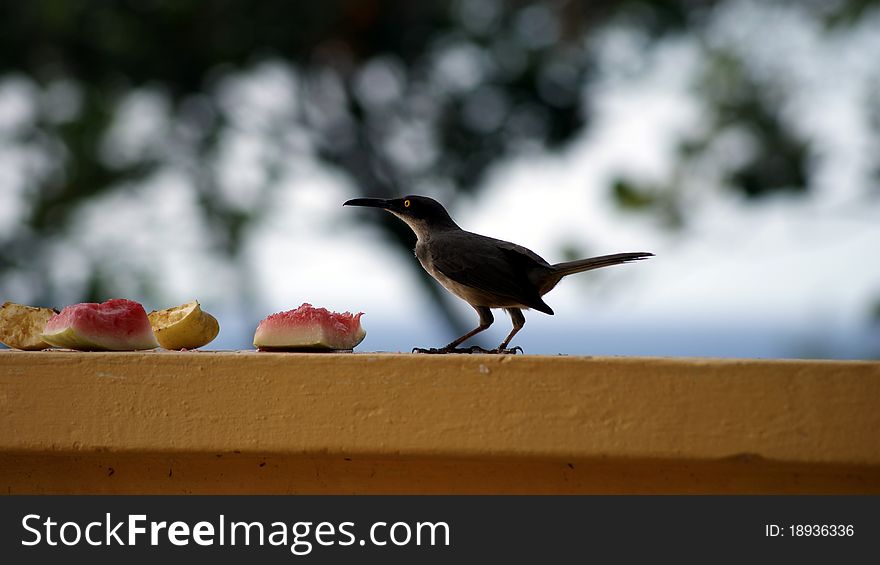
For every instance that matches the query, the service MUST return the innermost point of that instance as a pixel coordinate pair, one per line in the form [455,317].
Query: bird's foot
[471,349]
[507,351]
[430,350]
[442,350]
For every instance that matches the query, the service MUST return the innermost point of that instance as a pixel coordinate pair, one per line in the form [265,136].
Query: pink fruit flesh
[308,328]
[115,325]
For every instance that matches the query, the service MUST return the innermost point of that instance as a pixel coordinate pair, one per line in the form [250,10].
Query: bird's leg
[516,316]
[486,319]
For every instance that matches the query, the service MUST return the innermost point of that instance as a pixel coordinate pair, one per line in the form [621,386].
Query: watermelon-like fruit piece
[309,329]
[115,325]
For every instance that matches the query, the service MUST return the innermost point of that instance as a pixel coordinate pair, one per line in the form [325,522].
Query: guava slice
[309,329]
[184,327]
[21,326]
[115,325]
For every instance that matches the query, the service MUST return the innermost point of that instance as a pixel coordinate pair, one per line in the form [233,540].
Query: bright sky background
[789,276]
[786,277]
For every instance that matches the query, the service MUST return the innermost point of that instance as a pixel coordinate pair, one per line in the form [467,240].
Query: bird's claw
[508,351]
[442,350]
[431,350]
[468,350]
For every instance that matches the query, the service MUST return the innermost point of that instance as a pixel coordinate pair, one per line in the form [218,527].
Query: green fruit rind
[70,338]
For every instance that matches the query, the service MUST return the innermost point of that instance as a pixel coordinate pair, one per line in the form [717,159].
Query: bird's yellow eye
[406,203]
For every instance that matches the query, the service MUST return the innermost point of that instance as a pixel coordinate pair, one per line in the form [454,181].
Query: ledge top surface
[469,406]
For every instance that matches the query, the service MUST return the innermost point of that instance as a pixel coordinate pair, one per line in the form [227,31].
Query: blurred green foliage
[512,76]
[516,70]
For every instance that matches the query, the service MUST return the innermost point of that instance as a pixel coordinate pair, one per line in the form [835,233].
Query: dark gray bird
[484,272]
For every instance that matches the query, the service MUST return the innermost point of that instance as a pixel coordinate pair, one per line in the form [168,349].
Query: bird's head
[419,212]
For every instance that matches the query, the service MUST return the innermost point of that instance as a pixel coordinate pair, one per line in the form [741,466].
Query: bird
[485,272]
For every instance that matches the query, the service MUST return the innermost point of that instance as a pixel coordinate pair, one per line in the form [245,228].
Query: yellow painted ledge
[171,422]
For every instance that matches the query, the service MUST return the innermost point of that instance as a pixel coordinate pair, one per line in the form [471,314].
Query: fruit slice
[184,327]
[115,325]
[309,329]
[21,326]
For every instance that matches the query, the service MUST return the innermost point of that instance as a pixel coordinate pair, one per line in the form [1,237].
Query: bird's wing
[493,267]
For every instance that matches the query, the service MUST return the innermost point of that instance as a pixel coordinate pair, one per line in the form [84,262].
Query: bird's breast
[423,254]
[426,258]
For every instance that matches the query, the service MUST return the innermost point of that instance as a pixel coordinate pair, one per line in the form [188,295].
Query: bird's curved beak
[369,202]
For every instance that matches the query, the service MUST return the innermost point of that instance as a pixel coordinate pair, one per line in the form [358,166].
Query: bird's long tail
[570,267]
